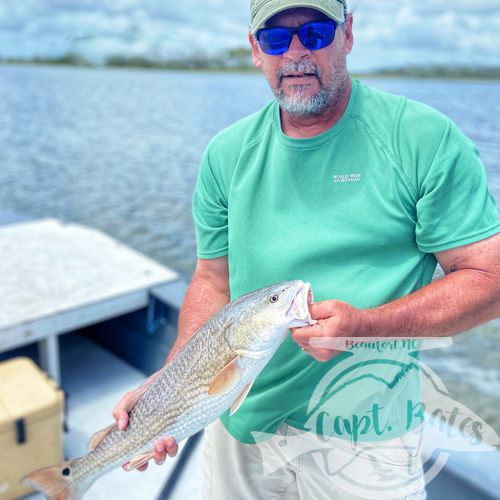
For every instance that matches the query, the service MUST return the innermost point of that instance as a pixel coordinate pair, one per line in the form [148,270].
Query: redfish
[212,372]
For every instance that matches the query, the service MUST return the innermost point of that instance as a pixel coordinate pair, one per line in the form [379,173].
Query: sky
[404,32]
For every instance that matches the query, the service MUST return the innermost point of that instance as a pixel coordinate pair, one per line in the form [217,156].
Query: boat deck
[59,277]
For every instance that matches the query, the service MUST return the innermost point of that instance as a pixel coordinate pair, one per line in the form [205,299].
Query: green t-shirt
[358,211]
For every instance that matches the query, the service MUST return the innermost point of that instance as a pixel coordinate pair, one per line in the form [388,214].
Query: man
[354,190]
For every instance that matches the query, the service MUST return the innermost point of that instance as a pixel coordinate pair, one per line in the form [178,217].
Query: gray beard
[302,106]
[299,105]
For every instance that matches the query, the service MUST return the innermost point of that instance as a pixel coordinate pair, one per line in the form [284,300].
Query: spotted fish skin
[212,372]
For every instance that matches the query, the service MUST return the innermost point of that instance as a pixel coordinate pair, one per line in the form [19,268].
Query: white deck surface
[58,277]
[95,380]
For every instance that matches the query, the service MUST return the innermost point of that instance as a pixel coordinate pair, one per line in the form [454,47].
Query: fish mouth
[298,312]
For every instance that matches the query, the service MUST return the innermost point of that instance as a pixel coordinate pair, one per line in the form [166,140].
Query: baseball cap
[262,10]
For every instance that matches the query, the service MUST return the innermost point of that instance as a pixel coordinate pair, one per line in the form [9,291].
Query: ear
[255,51]
[349,38]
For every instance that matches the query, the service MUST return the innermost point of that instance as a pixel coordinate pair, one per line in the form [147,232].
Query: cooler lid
[25,391]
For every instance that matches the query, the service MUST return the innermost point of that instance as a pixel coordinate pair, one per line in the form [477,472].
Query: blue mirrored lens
[317,35]
[313,35]
[274,40]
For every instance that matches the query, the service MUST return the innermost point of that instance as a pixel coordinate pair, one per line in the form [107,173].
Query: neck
[302,127]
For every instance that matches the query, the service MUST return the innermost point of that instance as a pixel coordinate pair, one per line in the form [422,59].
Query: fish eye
[66,471]
[274,298]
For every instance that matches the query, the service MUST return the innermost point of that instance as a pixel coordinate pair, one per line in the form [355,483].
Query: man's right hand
[162,448]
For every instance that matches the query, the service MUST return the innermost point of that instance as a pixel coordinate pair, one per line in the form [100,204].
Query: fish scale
[204,379]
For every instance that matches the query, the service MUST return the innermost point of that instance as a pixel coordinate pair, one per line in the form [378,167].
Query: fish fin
[226,378]
[138,460]
[96,438]
[239,400]
[246,353]
[56,483]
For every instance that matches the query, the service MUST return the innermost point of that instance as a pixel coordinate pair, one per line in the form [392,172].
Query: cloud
[402,32]
[426,32]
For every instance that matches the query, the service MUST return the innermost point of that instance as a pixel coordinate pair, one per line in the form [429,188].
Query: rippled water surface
[119,150]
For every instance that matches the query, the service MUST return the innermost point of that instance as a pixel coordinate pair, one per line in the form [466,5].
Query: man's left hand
[334,319]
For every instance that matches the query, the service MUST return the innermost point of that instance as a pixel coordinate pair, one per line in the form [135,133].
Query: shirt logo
[340,179]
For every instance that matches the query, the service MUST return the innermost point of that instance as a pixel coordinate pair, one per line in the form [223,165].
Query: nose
[296,49]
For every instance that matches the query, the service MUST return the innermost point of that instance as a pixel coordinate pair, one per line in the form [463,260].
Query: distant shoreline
[231,66]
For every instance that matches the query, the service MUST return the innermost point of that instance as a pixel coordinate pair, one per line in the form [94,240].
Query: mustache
[300,67]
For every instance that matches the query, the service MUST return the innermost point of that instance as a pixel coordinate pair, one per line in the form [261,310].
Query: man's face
[305,82]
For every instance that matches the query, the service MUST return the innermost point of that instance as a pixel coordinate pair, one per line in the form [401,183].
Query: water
[119,150]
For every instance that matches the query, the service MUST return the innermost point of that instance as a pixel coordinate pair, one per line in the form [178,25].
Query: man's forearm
[453,304]
[203,299]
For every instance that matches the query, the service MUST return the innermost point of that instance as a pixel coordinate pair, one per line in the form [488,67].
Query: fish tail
[56,483]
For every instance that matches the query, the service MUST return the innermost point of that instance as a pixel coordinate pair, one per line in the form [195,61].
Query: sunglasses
[313,35]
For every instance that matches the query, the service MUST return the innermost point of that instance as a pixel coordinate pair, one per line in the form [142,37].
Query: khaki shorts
[298,465]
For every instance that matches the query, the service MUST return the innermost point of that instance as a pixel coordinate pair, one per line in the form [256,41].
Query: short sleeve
[454,207]
[210,213]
